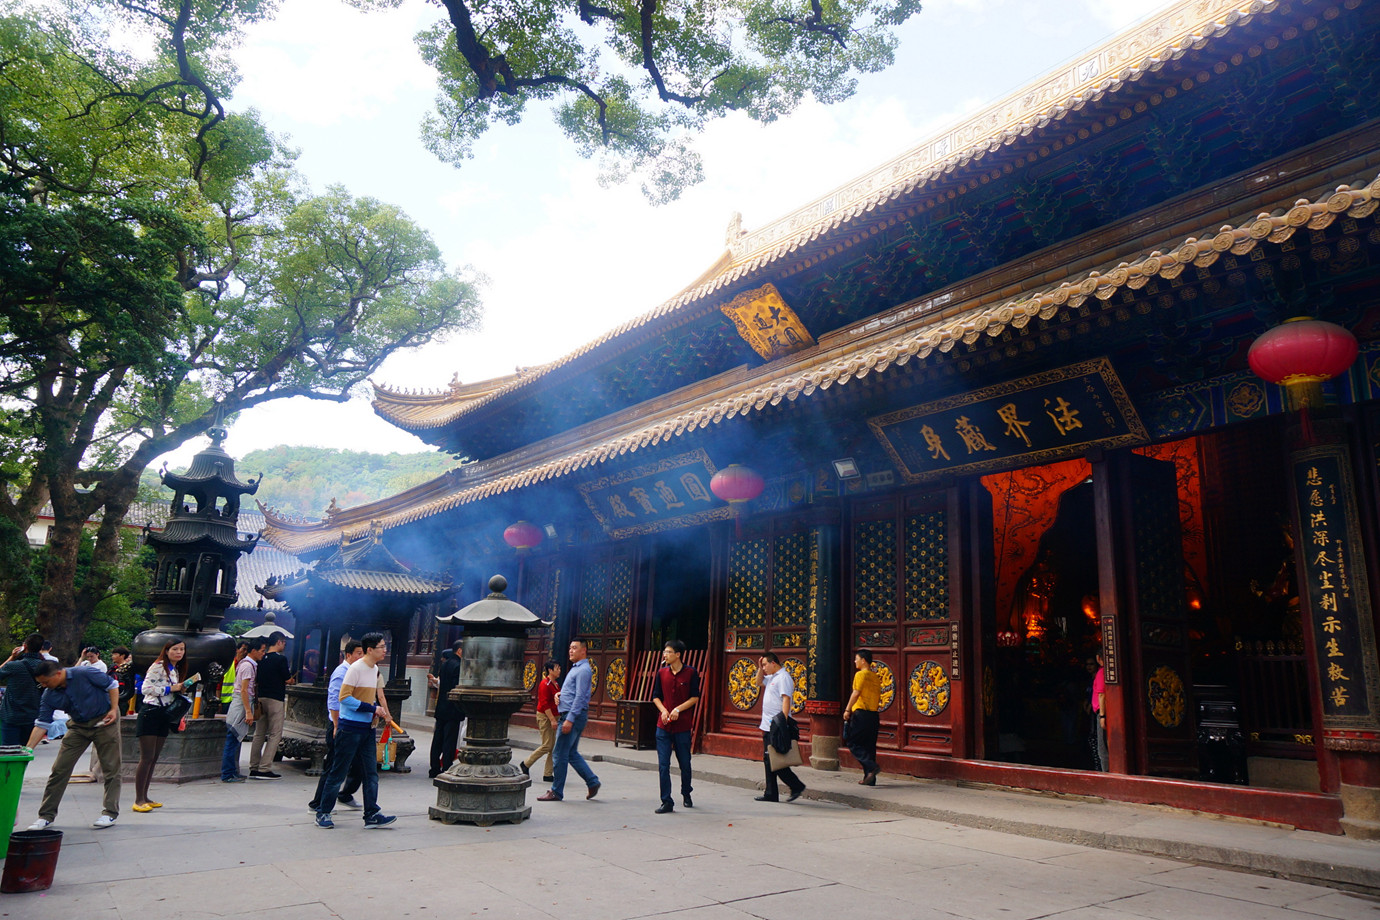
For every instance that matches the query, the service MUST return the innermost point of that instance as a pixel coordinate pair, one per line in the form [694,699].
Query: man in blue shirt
[91,700]
[353,652]
[574,713]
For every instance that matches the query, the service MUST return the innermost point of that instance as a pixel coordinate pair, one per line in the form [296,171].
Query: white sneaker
[40,824]
[103,821]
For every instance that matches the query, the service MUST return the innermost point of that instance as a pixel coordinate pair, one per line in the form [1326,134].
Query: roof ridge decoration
[1125,57]
[863,356]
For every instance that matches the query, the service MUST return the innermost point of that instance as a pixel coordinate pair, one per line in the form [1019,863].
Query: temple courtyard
[902,849]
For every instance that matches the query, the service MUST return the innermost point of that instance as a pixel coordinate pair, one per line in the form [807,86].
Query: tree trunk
[58,618]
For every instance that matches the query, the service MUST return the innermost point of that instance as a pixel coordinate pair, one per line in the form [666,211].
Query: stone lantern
[483,786]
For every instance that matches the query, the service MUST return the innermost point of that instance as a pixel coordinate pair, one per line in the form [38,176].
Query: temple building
[992,414]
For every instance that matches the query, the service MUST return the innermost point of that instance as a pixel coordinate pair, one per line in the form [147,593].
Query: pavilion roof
[892,339]
[851,212]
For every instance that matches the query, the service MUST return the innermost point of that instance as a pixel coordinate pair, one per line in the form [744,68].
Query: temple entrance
[680,590]
[1047,587]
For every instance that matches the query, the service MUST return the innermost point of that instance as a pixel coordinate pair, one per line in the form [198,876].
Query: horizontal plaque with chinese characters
[657,496]
[1336,590]
[1037,419]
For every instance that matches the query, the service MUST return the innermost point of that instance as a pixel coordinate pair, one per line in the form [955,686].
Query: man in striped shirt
[361,701]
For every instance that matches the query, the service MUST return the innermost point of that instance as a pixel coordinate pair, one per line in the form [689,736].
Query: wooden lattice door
[603,617]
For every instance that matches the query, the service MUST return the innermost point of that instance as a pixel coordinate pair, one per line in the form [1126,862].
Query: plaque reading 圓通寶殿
[670,493]
[1037,419]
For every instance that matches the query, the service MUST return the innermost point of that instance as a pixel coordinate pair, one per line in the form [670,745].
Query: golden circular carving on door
[888,680]
[929,688]
[796,668]
[617,679]
[742,684]
[1167,698]
[529,675]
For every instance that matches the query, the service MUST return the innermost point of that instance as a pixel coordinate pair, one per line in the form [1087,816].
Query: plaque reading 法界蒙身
[1036,419]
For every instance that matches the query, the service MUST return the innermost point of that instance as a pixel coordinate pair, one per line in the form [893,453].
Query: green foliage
[632,82]
[237,627]
[304,480]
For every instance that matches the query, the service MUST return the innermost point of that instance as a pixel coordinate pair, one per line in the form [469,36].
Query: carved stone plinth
[483,786]
[187,756]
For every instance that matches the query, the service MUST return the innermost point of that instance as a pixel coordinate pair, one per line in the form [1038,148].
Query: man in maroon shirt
[675,692]
[547,718]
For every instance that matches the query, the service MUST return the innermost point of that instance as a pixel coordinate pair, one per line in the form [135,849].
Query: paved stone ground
[252,850]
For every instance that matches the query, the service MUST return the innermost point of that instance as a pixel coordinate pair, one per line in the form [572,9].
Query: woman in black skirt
[160,684]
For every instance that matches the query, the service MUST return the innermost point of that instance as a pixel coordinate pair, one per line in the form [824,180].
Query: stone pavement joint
[1231,843]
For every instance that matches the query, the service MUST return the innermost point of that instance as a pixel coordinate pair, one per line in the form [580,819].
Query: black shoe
[523,767]
[264,774]
[432,774]
[666,808]
[766,798]
[548,778]
[686,799]
[795,794]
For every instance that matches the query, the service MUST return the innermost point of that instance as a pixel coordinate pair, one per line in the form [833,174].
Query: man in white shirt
[778,697]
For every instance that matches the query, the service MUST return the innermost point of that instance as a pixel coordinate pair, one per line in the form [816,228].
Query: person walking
[227,685]
[19,708]
[161,685]
[574,713]
[270,691]
[861,718]
[122,669]
[675,691]
[361,701]
[240,718]
[449,714]
[547,719]
[778,699]
[92,702]
[351,653]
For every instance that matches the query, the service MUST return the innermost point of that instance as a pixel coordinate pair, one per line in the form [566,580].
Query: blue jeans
[352,745]
[567,754]
[230,759]
[665,741]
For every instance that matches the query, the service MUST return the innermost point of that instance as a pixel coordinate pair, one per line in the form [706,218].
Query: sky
[565,259]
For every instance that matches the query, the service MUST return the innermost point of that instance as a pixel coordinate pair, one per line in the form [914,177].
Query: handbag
[177,710]
[781,761]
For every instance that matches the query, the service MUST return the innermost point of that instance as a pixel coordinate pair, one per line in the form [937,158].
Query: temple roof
[189,531]
[859,208]
[912,331]
[210,465]
[360,562]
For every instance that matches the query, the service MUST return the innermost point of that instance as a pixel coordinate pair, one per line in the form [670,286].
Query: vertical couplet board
[899,590]
[1154,670]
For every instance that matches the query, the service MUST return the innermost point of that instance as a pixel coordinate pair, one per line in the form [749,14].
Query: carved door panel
[1155,676]
[603,618]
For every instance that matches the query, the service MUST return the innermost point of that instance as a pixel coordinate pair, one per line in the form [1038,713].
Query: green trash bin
[13,762]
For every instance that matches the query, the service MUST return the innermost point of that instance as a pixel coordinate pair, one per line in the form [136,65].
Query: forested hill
[303,480]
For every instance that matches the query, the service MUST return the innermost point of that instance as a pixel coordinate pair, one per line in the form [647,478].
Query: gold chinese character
[1065,418]
[1313,478]
[1319,538]
[1328,602]
[1015,428]
[1315,499]
[619,509]
[1338,696]
[1332,625]
[971,434]
[1317,519]
[1333,649]
[1323,559]
[933,442]
[1335,672]
[1325,579]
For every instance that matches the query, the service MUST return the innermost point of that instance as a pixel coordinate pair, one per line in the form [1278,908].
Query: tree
[636,78]
[164,267]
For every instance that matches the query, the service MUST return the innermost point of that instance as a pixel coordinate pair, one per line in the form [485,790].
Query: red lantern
[737,484]
[1301,353]
[522,536]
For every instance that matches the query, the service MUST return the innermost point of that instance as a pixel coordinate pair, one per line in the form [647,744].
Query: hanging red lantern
[522,536]
[737,484]
[1300,354]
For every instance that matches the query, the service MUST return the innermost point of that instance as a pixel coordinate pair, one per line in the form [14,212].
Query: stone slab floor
[252,851]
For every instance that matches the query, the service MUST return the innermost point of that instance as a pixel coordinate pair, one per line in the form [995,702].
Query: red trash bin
[31,862]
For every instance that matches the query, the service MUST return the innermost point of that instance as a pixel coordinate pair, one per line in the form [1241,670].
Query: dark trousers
[444,740]
[352,778]
[786,775]
[862,738]
[352,745]
[16,733]
[680,742]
